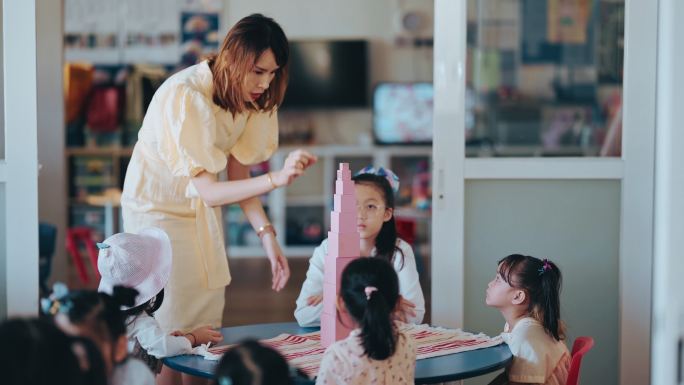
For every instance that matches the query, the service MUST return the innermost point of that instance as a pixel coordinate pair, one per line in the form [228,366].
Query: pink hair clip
[545,267]
[369,290]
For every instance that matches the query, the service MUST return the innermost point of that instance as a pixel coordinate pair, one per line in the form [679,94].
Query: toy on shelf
[343,247]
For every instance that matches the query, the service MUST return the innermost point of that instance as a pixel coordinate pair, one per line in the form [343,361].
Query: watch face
[412,21]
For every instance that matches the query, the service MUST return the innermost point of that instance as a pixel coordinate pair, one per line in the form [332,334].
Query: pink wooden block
[332,271]
[344,244]
[344,203]
[329,297]
[343,166]
[343,174]
[343,222]
[345,187]
[334,328]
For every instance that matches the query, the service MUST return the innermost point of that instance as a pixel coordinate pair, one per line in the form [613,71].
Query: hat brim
[161,259]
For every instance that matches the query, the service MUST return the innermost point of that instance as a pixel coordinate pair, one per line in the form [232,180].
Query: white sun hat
[140,261]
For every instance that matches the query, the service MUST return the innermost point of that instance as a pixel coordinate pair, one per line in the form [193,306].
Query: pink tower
[343,247]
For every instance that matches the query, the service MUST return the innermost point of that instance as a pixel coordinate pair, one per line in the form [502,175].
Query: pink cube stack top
[343,247]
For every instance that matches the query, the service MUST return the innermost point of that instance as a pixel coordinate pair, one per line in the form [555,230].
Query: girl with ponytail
[375,189]
[377,351]
[526,290]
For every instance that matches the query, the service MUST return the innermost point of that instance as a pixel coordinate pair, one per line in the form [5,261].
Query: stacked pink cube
[343,247]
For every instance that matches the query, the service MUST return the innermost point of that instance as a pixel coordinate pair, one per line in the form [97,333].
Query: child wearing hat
[143,261]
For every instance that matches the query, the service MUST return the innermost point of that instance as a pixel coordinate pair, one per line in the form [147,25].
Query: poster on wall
[199,34]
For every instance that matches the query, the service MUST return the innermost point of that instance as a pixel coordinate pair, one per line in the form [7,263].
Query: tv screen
[327,74]
[402,113]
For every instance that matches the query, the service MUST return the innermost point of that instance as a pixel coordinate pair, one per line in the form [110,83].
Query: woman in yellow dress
[220,114]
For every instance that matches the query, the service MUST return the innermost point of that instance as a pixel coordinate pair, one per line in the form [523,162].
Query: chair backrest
[579,348]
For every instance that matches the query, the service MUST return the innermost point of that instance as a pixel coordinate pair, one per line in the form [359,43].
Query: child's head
[36,352]
[250,363]
[369,289]
[375,209]
[140,261]
[533,286]
[96,316]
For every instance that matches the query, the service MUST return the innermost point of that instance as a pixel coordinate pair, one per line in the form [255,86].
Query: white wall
[52,184]
[668,266]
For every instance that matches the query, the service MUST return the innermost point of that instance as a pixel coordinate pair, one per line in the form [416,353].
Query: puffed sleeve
[409,281]
[259,139]
[530,359]
[188,140]
[305,314]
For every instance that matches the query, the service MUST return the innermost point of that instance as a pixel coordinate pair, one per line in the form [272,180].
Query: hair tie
[546,266]
[56,302]
[391,177]
[369,290]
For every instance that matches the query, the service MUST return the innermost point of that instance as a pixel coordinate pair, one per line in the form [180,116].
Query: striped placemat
[305,351]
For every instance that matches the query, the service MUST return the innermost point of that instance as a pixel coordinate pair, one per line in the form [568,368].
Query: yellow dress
[183,134]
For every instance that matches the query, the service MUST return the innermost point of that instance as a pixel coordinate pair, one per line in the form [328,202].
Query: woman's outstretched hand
[295,164]
[280,270]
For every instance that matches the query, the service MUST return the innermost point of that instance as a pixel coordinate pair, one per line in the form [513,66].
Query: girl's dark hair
[386,241]
[99,311]
[373,313]
[148,307]
[36,352]
[541,280]
[240,50]
[251,363]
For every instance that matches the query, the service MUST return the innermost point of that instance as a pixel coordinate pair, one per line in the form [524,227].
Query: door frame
[19,169]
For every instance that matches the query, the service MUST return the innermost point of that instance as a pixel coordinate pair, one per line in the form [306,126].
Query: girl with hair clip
[526,290]
[98,317]
[375,189]
[143,262]
[377,352]
[36,352]
[251,363]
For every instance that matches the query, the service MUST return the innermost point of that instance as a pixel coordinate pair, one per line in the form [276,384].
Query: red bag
[104,111]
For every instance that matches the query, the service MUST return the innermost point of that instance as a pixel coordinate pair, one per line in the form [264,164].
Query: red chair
[75,237]
[579,348]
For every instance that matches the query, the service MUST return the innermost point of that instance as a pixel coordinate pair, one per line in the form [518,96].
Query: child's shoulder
[405,248]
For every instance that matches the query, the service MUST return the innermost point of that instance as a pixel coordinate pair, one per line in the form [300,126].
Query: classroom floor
[249,298]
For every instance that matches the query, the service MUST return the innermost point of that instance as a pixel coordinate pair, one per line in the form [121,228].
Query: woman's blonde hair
[242,47]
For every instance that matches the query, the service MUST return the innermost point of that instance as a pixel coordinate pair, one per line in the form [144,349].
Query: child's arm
[154,340]
[308,312]
[409,282]
[203,335]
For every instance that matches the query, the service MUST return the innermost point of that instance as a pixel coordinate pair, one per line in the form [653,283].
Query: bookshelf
[300,212]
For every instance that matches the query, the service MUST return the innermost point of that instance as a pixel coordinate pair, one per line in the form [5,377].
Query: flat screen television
[402,113]
[327,74]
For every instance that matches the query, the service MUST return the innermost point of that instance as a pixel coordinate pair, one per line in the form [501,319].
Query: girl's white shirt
[131,372]
[153,339]
[345,363]
[537,357]
[409,284]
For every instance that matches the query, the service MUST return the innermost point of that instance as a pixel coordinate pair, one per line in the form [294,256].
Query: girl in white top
[143,262]
[526,291]
[377,352]
[376,225]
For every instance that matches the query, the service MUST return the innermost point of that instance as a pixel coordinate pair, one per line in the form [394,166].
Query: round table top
[450,367]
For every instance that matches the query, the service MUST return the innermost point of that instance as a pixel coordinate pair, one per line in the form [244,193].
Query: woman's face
[260,77]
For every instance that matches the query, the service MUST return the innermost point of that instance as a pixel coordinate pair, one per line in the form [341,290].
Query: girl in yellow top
[220,114]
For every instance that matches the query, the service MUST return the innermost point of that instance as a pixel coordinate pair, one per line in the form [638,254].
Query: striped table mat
[305,351]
